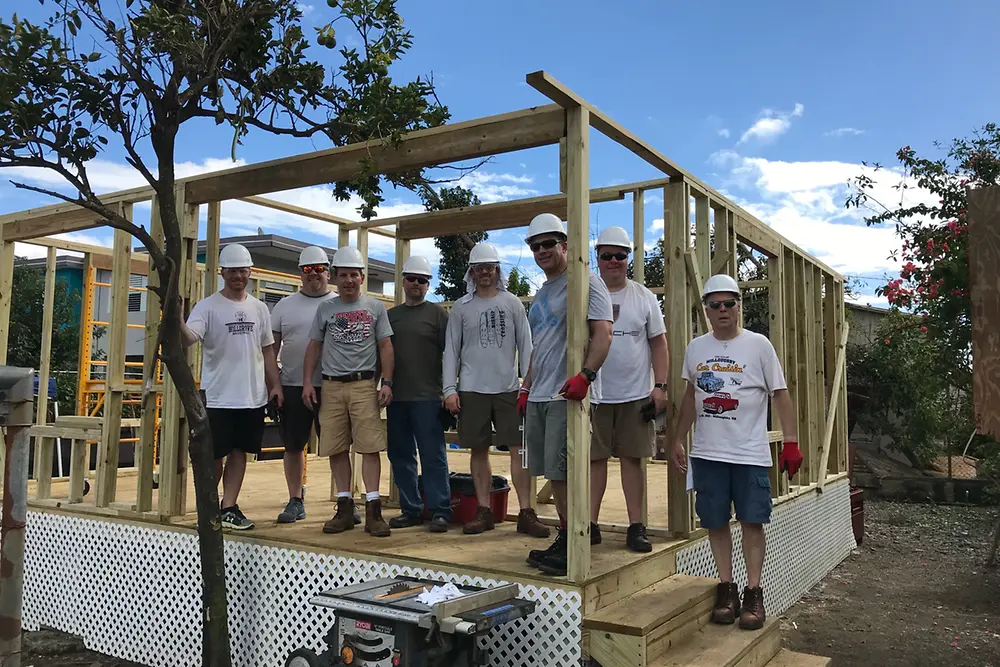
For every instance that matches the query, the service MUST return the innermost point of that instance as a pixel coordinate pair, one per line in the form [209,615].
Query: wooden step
[639,629]
[725,646]
[786,658]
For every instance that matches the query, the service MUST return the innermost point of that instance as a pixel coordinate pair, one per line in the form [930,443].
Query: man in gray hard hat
[488,337]
[352,334]
[291,320]
[239,372]
[631,388]
[545,389]
[413,420]
[731,373]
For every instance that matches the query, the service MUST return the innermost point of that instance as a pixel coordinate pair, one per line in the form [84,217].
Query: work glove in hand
[649,411]
[576,387]
[522,402]
[790,458]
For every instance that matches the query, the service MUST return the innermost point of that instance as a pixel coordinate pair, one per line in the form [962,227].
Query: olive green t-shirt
[418,334]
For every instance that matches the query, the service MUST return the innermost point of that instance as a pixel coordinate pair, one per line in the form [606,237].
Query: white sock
[343,494]
[372,495]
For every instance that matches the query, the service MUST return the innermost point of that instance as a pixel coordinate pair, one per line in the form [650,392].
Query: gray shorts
[545,436]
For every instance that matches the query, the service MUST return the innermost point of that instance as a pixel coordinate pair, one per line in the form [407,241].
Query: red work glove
[575,388]
[790,458]
[522,402]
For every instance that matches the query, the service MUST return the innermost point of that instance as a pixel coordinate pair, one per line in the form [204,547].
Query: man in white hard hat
[291,320]
[630,389]
[413,419]
[352,334]
[731,373]
[488,338]
[239,372]
[545,389]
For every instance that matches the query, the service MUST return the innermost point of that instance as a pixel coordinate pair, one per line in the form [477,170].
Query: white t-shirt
[293,317]
[627,373]
[232,335]
[733,381]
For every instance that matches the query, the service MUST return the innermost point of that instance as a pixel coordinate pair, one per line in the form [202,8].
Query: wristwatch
[589,374]
[387,383]
[660,385]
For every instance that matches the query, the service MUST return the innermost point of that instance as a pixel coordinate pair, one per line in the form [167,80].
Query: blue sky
[774,103]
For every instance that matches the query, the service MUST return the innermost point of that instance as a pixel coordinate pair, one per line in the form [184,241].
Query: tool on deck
[382,623]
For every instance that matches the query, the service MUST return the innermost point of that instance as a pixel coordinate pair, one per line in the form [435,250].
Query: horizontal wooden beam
[69,246]
[284,207]
[501,215]
[755,284]
[455,142]
[130,196]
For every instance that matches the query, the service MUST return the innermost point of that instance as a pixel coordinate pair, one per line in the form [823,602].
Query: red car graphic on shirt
[719,403]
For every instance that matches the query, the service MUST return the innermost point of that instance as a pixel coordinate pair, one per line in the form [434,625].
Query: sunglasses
[485,268]
[314,268]
[417,279]
[608,256]
[728,303]
[548,244]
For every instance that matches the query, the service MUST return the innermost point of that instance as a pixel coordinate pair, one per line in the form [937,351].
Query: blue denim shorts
[718,486]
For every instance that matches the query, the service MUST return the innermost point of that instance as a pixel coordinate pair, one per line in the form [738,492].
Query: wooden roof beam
[343,223]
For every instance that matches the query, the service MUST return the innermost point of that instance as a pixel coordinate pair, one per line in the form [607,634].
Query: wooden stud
[793,334]
[807,367]
[363,249]
[6,289]
[639,237]
[696,283]
[211,274]
[577,339]
[839,369]
[817,382]
[79,463]
[841,434]
[776,334]
[402,254]
[702,234]
[44,446]
[562,165]
[343,237]
[144,462]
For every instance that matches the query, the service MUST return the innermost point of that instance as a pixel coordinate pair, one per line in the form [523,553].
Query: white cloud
[843,131]
[305,9]
[35,251]
[771,124]
[724,133]
[493,187]
[656,225]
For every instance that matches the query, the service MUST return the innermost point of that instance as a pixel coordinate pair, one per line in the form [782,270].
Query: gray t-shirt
[349,333]
[487,338]
[292,317]
[548,332]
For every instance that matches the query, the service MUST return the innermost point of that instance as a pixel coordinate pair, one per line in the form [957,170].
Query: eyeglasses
[608,256]
[416,279]
[314,268]
[548,244]
[728,303]
[484,268]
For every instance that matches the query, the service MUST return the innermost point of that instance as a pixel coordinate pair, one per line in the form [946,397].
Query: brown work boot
[727,604]
[753,616]
[343,519]
[374,523]
[483,522]
[528,523]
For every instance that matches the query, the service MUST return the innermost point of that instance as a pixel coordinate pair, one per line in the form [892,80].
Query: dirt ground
[47,648]
[916,592]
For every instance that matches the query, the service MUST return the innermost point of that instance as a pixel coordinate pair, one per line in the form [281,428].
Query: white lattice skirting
[807,537]
[133,592]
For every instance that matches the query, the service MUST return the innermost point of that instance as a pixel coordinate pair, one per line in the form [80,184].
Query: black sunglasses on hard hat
[314,268]
[608,256]
[547,244]
[728,303]
[417,279]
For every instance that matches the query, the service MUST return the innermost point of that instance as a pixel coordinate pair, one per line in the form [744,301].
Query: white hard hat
[313,255]
[484,253]
[614,236]
[545,223]
[417,265]
[720,283]
[348,257]
[235,256]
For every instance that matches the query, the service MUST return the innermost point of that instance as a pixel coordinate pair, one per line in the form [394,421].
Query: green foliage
[454,249]
[25,333]
[518,284]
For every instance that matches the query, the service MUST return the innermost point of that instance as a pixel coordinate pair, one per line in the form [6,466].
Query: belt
[352,377]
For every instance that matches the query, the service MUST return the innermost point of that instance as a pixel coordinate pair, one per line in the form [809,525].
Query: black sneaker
[555,562]
[439,525]
[636,539]
[405,520]
[595,533]
[234,519]
[535,556]
[294,511]
[357,516]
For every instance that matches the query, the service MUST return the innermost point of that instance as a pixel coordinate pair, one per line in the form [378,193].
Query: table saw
[382,623]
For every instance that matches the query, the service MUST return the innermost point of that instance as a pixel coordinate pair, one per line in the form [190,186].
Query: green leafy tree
[130,76]
[454,249]
[517,284]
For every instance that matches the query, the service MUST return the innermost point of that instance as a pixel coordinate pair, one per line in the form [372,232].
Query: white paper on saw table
[439,594]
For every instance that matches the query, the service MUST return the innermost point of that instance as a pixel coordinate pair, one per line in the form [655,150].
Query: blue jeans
[413,426]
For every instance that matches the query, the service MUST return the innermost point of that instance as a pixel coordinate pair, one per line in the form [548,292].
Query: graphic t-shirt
[232,334]
[627,373]
[733,380]
[350,332]
[487,339]
[417,344]
[548,333]
[292,317]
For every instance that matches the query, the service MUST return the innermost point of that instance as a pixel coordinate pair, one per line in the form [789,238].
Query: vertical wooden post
[562,165]
[343,236]
[363,249]
[107,459]
[677,304]
[833,329]
[577,339]
[211,279]
[841,434]
[806,367]
[402,254]
[817,381]
[703,236]
[776,333]
[639,237]
[44,446]
[144,452]
[6,287]
[793,334]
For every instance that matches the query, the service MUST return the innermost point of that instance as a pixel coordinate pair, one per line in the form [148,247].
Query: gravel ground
[916,592]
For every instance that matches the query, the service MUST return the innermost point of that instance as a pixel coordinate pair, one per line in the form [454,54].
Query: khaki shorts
[482,414]
[617,429]
[349,411]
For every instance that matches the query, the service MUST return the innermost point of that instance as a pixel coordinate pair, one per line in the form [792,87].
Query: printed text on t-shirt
[241,326]
[351,327]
